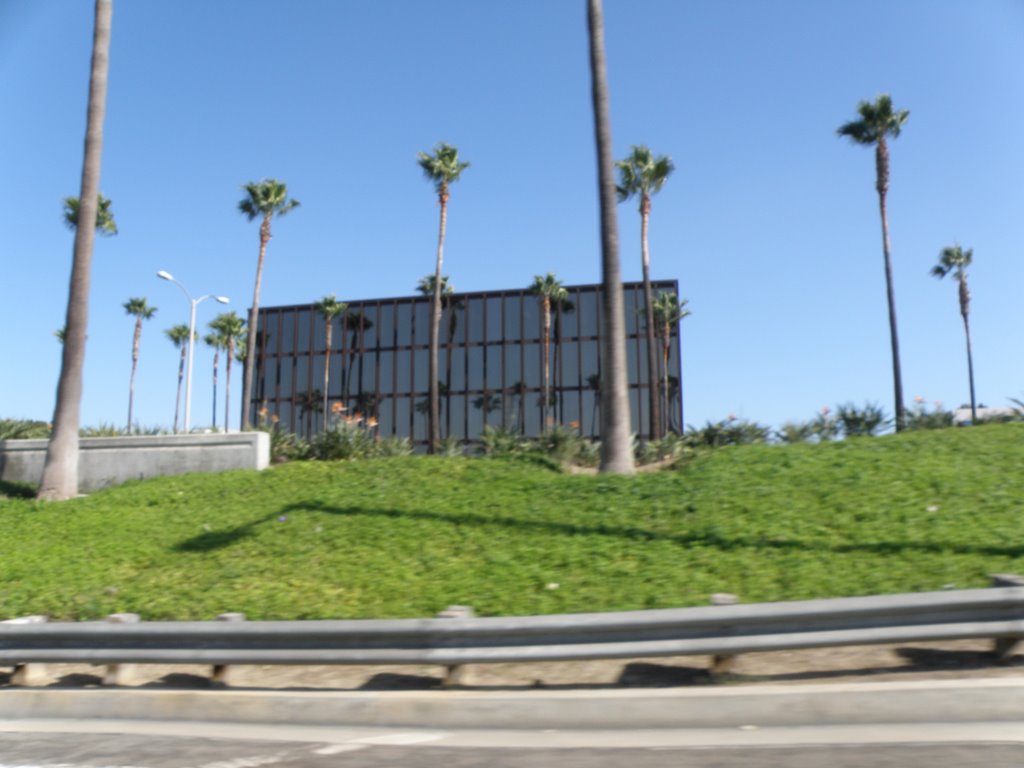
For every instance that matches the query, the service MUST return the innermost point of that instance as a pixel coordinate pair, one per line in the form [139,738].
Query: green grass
[408,536]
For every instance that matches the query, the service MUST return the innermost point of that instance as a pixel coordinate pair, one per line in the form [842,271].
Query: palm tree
[60,334]
[105,223]
[60,470]
[178,334]
[450,304]
[216,342]
[354,321]
[140,308]
[616,445]
[265,200]
[877,121]
[442,168]
[329,308]
[563,307]
[955,260]
[548,290]
[668,312]
[594,383]
[309,403]
[642,174]
[230,328]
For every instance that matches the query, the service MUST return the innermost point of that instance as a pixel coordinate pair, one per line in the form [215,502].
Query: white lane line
[400,739]
[335,749]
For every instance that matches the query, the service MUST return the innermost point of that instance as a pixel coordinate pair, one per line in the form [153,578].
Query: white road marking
[400,739]
[334,749]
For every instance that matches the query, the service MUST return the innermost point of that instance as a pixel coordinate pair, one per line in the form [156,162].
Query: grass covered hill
[408,536]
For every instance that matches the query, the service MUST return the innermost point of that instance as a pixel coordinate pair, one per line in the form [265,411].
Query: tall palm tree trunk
[181,378]
[970,366]
[254,311]
[216,364]
[882,185]
[434,412]
[135,364]
[327,367]
[652,360]
[546,366]
[616,450]
[448,373]
[227,384]
[60,470]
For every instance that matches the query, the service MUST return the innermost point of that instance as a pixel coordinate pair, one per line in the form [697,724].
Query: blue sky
[770,222]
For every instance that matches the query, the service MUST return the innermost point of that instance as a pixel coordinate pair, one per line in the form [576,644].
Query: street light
[163,275]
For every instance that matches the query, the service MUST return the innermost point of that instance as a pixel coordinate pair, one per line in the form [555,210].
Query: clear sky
[770,222]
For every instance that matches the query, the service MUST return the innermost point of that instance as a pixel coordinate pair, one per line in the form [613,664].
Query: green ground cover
[408,536]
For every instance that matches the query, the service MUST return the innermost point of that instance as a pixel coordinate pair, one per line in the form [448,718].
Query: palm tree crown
[669,309]
[266,198]
[105,223]
[643,174]
[442,168]
[877,120]
[140,308]
[953,260]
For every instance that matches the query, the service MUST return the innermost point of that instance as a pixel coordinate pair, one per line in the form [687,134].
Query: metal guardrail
[996,613]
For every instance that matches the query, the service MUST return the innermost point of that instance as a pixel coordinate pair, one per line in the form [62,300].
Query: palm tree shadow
[212,540]
[698,538]
[209,541]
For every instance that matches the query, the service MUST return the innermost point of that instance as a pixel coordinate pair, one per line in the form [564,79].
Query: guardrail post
[453,674]
[721,663]
[220,676]
[26,675]
[1003,646]
[117,674]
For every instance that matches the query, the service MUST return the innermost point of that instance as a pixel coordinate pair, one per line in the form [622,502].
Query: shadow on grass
[213,540]
[17,490]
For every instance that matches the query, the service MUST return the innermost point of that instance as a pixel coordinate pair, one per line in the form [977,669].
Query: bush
[919,417]
[347,437]
[23,429]
[728,431]
[862,422]
[671,446]
[501,441]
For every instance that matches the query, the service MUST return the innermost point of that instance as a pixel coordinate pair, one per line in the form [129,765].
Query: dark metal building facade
[490,365]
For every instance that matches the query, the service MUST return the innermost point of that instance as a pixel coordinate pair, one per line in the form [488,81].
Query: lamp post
[163,275]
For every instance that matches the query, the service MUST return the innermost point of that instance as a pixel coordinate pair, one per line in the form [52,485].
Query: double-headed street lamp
[191,337]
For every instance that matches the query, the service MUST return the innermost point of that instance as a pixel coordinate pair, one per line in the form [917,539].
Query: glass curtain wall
[490,366]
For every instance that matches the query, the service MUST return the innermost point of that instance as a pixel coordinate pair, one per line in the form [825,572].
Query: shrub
[347,437]
[671,446]
[393,446]
[862,422]
[23,429]
[501,441]
[795,432]
[919,417]
[450,446]
[728,431]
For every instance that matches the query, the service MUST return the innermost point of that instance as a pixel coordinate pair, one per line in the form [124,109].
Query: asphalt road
[418,749]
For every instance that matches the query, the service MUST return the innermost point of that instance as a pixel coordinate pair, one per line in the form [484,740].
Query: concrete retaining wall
[107,461]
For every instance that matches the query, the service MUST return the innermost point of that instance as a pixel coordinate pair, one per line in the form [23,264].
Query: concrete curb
[999,700]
